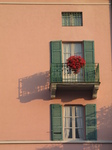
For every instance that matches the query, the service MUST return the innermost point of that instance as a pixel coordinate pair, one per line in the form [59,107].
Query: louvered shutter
[56,122]
[90,63]
[56,61]
[91,128]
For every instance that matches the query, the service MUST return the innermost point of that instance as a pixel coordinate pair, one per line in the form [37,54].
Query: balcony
[62,77]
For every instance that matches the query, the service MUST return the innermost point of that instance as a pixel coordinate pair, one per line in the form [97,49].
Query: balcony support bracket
[95,89]
[53,88]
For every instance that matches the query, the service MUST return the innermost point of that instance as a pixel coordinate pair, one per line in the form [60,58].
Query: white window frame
[73,123]
[69,75]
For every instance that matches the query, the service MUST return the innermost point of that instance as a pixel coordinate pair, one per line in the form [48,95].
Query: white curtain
[67,51]
[79,114]
[78,49]
[71,49]
[67,54]
[78,52]
[67,122]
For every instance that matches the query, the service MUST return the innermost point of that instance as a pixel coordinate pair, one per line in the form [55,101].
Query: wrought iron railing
[61,73]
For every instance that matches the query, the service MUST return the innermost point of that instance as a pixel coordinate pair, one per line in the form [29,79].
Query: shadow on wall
[104,123]
[51,147]
[34,87]
[76,147]
[37,87]
[92,147]
[72,147]
[104,130]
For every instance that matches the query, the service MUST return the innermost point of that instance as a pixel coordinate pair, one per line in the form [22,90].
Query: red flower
[75,63]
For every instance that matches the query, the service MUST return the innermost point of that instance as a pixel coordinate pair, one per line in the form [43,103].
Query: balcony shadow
[69,95]
[34,87]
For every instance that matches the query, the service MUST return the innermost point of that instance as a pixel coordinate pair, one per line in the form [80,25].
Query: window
[61,51]
[71,49]
[73,122]
[71,18]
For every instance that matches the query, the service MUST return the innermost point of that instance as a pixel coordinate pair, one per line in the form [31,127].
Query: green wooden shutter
[90,63]
[89,51]
[56,122]
[91,128]
[56,51]
[56,61]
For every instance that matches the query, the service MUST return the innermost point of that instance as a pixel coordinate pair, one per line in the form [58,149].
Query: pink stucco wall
[57,147]
[25,33]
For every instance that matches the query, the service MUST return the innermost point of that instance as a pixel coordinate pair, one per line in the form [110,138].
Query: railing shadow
[104,130]
[34,87]
[104,122]
[51,147]
[92,147]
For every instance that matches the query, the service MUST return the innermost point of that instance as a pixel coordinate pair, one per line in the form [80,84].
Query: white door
[71,49]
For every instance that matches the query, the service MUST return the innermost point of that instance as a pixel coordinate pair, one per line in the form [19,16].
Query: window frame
[90,122]
[71,18]
[68,73]
[73,123]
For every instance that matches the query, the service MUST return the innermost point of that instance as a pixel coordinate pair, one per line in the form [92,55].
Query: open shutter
[91,128]
[90,63]
[56,61]
[56,122]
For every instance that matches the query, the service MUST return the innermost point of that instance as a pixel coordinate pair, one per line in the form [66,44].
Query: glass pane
[78,111]
[80,75]
[68,122]
[78,122]
[78,49]
[68,111]
[76,133]
[66,56]
[68,133]
[79,133]
[67,52]
[78,19]
[66,48]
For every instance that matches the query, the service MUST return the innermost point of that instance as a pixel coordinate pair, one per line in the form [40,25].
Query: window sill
[56,142]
